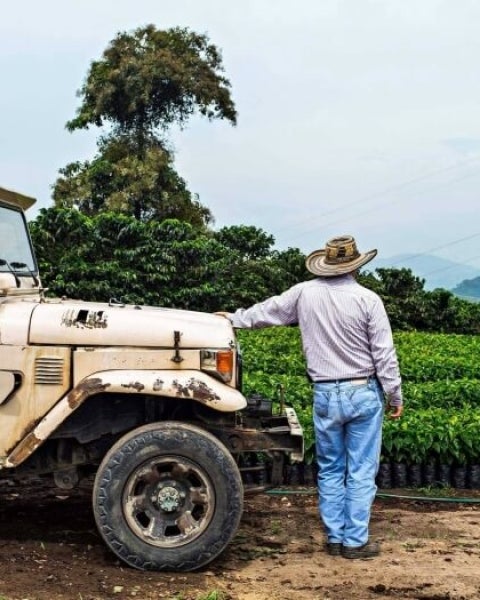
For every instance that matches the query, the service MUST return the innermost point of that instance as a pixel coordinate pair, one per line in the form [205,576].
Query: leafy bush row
[458,393]
[441,391]
[436,434]
[432,357]
[423,357]
[275,350]
[296,389]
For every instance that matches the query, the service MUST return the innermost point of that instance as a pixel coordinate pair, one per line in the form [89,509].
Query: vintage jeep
[145,400]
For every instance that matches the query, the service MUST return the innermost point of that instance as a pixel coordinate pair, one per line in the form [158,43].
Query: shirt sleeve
[384,354]
[277,310]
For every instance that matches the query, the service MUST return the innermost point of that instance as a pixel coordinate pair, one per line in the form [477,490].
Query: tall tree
[145,82]
[118,179]
[153,78]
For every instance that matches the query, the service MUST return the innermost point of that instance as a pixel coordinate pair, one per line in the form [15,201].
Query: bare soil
[50,550]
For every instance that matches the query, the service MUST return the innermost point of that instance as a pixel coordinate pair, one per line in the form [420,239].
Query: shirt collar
[338,281]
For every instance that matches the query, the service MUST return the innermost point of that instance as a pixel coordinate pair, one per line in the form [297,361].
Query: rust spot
[31,442]
[182,390]
[28,428]
[24,449]
[135,385]
[84,390]
[196,389]
[158,385]
[201,391]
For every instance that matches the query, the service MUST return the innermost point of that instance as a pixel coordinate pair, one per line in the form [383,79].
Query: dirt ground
[50,550]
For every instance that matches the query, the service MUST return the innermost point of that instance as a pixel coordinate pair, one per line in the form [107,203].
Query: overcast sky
[355,116]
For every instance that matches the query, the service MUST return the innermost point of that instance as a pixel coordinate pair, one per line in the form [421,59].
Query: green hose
[313,492]
[431,498]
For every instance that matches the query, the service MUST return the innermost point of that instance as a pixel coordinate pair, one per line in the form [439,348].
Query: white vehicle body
[82,382]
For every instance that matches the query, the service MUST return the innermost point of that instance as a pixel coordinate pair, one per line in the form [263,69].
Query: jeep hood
[95,324]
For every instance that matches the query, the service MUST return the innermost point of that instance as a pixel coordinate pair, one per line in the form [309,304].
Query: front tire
[168,496]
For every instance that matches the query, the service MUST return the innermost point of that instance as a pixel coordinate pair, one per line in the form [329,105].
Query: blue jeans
[348,434]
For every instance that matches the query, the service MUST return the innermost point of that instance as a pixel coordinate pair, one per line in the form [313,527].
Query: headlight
[218,362]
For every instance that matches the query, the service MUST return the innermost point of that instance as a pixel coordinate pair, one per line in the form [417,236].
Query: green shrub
[441,386]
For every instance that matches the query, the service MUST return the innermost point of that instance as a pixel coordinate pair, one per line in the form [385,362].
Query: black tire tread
[174,435]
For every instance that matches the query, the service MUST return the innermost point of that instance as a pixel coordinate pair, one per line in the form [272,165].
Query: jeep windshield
[15,247]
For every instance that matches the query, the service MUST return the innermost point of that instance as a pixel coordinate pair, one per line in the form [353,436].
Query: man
[351,359]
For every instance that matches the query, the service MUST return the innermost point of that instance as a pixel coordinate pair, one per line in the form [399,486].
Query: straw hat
[340,256]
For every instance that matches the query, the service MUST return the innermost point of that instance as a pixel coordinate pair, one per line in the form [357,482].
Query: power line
[394,188]
[375,206]
[447,245]
[465,262]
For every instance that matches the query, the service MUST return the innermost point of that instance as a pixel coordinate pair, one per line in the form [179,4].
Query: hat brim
[315,263]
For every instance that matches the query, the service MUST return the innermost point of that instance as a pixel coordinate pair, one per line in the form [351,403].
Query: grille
[49,370]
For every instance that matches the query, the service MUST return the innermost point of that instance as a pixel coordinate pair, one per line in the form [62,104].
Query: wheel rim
[168,501]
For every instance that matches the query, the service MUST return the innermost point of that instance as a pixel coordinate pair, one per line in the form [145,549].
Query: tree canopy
[145,82]
[153,78]
[118,179]
[411,307]
[167,263]
[172,264]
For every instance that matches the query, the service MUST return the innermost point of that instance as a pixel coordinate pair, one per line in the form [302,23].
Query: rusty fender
[186,384]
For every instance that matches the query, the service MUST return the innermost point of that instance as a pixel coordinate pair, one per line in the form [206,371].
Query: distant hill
[437,272]
[469,289]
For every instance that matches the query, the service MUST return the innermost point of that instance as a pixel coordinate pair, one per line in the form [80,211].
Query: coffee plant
[441,388]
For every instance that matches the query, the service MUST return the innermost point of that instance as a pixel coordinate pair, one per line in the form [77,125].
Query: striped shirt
[345,330]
